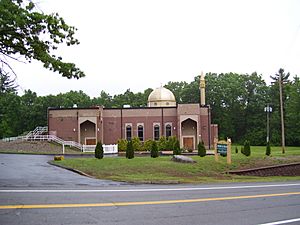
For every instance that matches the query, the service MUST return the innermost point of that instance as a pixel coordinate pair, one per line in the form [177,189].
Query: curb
[72,170]
[242,172]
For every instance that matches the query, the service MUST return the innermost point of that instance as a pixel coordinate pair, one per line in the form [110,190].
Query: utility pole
[281,114]
[268,110]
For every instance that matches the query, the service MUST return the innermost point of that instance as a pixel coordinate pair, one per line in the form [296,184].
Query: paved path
[34,171]
[82,200]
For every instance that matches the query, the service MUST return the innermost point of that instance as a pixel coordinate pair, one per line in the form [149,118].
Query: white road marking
[145,189]
[282,222]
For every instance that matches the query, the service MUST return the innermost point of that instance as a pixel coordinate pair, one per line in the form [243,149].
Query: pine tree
[247,150]
[99,150]
[129,150]
[268,149]
[154,150]
[201,149]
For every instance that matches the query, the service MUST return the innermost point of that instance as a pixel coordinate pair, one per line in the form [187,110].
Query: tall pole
[268,126]
[281,112]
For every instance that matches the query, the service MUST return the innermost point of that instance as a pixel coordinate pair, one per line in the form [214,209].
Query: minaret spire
[202,89]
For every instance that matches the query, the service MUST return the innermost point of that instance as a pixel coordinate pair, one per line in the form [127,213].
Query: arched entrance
[189,134]
[88,133]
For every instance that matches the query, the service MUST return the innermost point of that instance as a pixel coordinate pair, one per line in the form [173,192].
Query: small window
[168,130]
[141,132]
[128,132]
[156,132]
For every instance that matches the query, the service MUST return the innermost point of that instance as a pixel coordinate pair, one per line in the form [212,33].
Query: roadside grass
[163,170]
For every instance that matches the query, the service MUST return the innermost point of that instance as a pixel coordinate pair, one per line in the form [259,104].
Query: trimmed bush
[154,150]
[176,148]
[201,149]
[268,149]
[129,150]
[122,145]
[247,150]
[99,150]
[59,158]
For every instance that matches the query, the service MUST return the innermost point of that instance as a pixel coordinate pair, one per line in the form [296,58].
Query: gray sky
[138,44]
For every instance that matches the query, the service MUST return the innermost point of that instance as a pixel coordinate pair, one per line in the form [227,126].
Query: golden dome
[161,97]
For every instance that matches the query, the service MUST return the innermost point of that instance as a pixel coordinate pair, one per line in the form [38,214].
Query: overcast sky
[139,44]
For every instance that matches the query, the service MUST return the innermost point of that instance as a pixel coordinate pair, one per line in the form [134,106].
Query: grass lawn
[162,169]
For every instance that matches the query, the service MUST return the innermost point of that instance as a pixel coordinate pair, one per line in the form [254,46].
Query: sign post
[223,148]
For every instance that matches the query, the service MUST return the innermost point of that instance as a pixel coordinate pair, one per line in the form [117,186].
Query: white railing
[107,149]
[38,135]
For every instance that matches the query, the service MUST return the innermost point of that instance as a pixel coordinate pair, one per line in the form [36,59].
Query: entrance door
[188,143]
[90,141]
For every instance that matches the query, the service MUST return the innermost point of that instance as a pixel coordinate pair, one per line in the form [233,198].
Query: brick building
[190,123]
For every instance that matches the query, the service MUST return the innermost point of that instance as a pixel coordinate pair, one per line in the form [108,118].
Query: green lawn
[162,169]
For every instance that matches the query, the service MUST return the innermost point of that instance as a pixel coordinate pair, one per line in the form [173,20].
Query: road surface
[34,192]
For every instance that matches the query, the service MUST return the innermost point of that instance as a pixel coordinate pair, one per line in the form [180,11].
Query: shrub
[154,150]
[129,150]
[201,149]
[148,145]
[171,141]
[162,143]
[122,145]
[59,158]
[136,143]
[99,151]
[236,150]
[176,148]
[242,150]
[247,150]
[268,149]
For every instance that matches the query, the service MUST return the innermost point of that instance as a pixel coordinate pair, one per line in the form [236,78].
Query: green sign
[222,149]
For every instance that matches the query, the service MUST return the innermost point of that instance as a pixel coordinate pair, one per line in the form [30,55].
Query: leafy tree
[129,150]
[27,32]
[154,150]
[99,150]
[201,149]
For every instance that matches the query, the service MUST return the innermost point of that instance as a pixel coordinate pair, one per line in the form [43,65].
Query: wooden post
[63,150]
[216,150]
[228,151]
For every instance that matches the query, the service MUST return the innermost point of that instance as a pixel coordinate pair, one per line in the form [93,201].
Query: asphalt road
[52,195]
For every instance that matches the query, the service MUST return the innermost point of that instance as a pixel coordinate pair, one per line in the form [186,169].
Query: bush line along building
[190,123]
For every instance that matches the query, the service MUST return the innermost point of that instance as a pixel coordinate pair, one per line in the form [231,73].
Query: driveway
[34,171]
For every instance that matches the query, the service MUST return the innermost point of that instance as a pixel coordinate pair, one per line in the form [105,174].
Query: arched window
[128,132]
[141,132]
[156,132]
[168,130]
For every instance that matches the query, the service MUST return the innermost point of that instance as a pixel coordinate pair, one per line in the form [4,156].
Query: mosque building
[190,123]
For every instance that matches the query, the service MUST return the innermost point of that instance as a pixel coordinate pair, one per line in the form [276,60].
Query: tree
[247,150]
[268,149]
[154,150]
[129,150]
[201,149]
[25,31]
[99,150]
[7,84]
